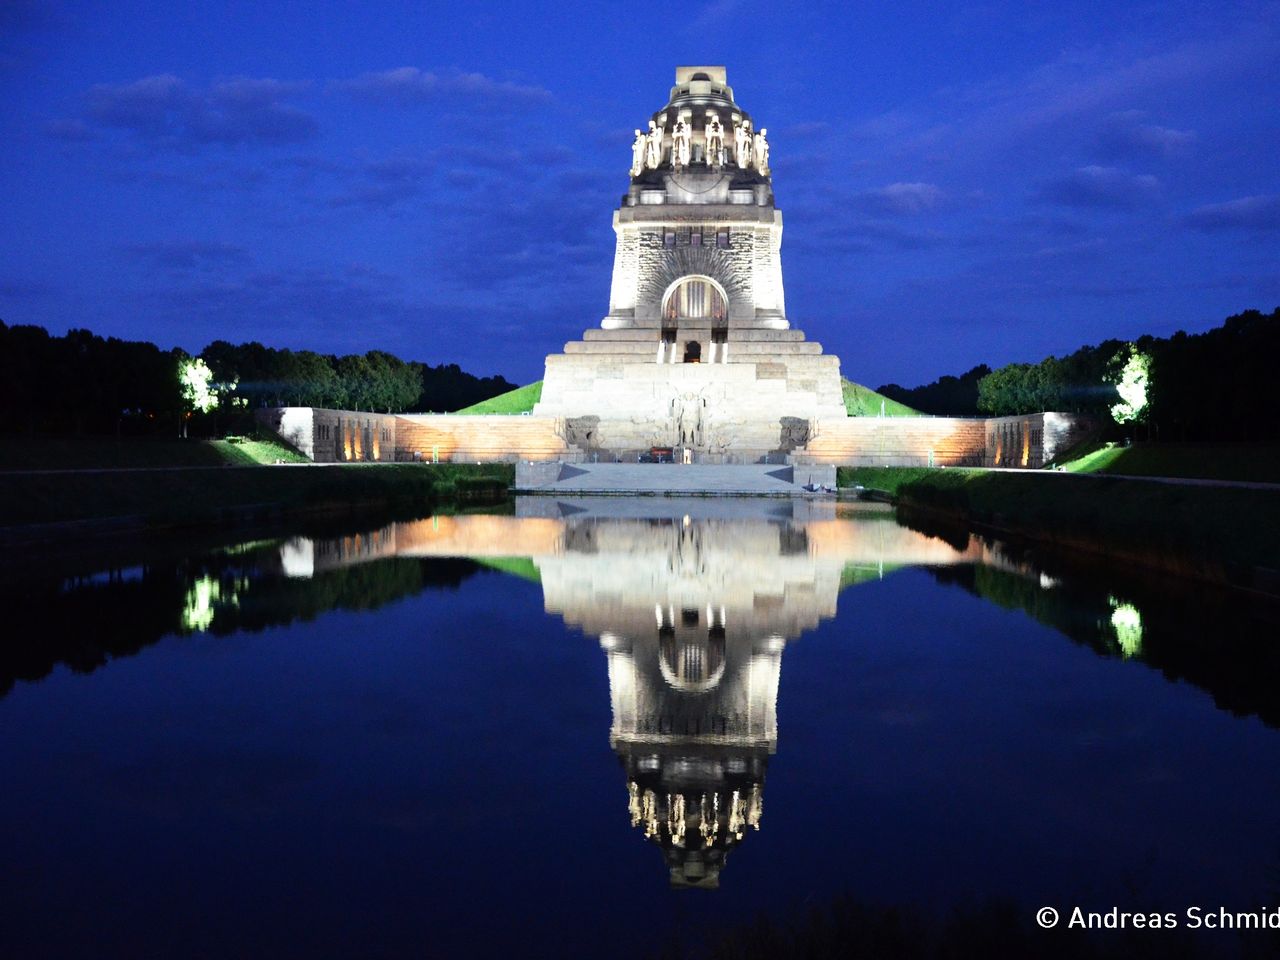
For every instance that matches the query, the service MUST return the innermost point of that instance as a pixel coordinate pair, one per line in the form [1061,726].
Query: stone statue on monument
[761,148]
[715,139]
[681,138]
[742,144]
[653,155]
[638,150]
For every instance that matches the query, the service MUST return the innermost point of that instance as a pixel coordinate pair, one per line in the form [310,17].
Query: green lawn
[863,402]
[519,400]
[1164,523]
[1209,461]
[166,497]
[247,451]
[21,452]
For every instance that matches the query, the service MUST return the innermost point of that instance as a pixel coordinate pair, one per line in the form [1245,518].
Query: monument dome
[696,352]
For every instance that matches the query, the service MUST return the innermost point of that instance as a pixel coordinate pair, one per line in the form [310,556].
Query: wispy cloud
[187,254]
[1247,213]
[902,199]
[1095,186]
[1125,135]
[408,85]
[165,110]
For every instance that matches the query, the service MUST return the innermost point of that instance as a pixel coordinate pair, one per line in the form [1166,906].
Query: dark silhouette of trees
[947,396]
[82,383]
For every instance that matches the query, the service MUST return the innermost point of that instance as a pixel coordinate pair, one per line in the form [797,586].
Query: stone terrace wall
[333,436]
[481,439]
[1025,441]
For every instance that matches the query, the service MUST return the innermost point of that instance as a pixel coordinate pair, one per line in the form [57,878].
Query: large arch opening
[695,298]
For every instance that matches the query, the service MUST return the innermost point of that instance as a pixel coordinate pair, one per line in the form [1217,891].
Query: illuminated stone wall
[1029,441]
[334,436]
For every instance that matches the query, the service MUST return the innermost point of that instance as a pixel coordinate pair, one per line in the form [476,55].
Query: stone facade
[334,436]
[696,351]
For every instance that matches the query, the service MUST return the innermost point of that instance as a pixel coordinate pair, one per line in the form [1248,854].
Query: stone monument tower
[696,352]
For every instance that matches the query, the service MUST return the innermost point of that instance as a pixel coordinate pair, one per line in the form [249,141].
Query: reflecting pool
[622,726]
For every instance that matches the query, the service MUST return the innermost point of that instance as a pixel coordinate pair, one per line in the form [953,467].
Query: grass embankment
[182,497]
[863,402]
[858,400]
[519,400]
[1259,462]
[1216,533]
[19,452]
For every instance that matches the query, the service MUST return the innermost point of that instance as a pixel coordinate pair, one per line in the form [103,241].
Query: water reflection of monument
[693,603]
[693,616]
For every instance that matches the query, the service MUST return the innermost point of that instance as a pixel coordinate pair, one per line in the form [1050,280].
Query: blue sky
[960,184]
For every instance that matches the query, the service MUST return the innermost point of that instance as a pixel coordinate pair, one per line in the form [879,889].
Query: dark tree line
[83,383]
[947,396]
[1217,385]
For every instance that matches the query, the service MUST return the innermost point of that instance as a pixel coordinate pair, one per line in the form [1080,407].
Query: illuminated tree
[1131,373]
[198,393]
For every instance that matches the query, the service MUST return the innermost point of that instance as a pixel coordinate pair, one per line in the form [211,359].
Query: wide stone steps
[668,479]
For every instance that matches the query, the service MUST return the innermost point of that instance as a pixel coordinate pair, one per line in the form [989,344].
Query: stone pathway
[666,479]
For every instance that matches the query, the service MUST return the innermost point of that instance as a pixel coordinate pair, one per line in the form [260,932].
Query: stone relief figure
[638,150]
[761,146]
[686,411]
[715,139]
[681,138]
[742,144]
[653,155]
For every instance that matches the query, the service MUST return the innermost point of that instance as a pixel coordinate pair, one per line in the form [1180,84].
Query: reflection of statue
[715,139]
[638,149]
[653,156]
[761,148]
[742,144]
[680,141]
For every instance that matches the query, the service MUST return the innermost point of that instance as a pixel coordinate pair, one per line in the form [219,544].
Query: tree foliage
[947,396]
[81,382]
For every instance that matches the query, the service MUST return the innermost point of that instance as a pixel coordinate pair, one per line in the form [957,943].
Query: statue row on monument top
[750,149]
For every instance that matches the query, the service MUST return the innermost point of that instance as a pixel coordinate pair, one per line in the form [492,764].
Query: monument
[696,352]
[696,356]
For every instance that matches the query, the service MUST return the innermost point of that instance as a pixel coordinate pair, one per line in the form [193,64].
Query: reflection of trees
[1218,643]
[84,623]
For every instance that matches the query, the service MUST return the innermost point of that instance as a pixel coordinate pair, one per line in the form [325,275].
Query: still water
[609,727]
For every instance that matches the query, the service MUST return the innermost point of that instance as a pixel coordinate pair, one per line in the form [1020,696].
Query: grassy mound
[1259,462]
[863,402]
[858,400]
[519,400]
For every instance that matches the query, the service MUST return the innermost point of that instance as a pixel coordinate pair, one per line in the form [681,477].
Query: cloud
[1101,187]
[902,199]
[71,130]
[1125,135]
[1247,213]
[167,111]
[187,254]
[409,85]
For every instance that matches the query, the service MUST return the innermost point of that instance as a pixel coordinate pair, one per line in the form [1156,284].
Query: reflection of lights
[1126,621]
[1047,582]
[197,612]
[657,613]
[775,644]
[687,521]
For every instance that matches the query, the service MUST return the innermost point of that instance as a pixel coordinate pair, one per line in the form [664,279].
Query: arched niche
[695,297]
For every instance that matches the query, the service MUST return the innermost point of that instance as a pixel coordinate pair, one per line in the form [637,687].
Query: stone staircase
[669,479]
